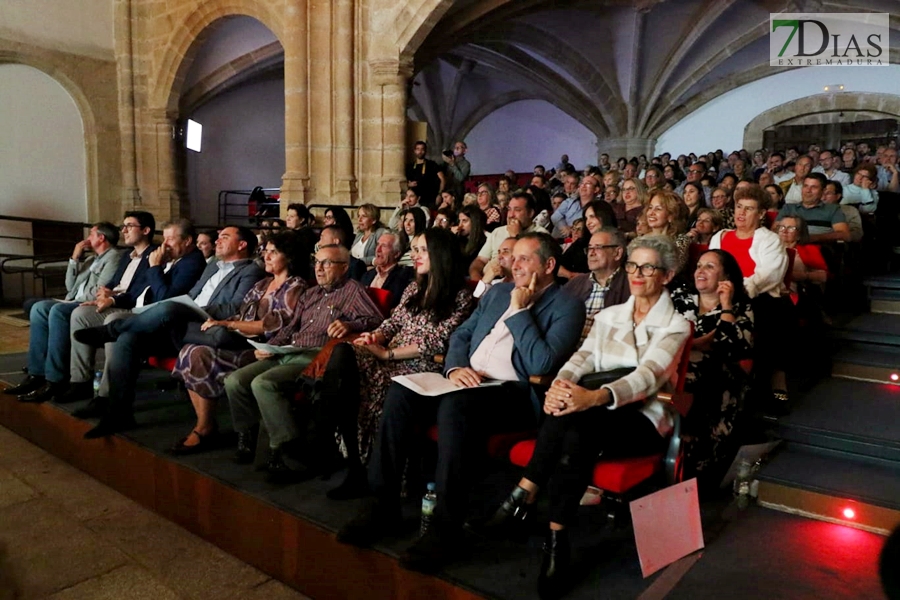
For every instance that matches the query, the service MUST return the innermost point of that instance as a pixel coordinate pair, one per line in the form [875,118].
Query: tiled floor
[67,537]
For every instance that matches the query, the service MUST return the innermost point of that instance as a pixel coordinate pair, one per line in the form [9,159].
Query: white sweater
[771,260]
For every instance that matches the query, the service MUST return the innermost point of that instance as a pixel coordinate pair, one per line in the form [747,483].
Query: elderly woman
[721,201]
[634,197]
[266,308]
[810,271]
[763,262]
[487,203]
[667,215]
[370,229]
[357,376]
[621,417]
[718,306]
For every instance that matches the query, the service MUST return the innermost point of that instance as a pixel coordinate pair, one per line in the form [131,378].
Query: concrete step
[870,328]
[828,485]
[884,300]
[867,362]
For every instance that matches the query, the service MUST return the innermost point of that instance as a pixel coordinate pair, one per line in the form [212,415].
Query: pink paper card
[667,526]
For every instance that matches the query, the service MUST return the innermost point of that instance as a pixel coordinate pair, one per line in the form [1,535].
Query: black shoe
[246,446]
[355,485]
[375,519]
[511,521]
[109,425]
[96,336]
[207,442]
[31,383]
[554,579]
[44,393]
[95,409]
[441,545]
[280,472]
[83,390]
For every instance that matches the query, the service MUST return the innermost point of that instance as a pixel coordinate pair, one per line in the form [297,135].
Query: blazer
[369,248]
[545,334]
[93,272]
[227,296]
[137,282]
[653,347]
[396,281]
[178,281]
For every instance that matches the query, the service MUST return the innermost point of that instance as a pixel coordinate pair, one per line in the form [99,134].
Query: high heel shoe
[554,579]
[512,519]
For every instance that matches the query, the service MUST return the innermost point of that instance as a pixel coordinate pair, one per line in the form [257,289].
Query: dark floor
[757,553]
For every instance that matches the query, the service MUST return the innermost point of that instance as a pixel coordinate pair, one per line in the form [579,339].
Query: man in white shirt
[498,269]
[828,166]
[519,219]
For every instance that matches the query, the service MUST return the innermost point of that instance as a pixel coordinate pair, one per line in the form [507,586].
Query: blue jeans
[48,346]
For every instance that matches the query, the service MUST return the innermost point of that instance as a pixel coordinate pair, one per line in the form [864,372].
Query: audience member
[206,244]
[862,193]
[487,203]
[634,198]
[370,229]
[708,223]
[793,187]
[694,201]
[834,194]
[337,216]
[666,215]
[826,221]
[412,224]
[424,175]
[410,200]
[597,215]
[334,235]
[471,232]
[445,218]
[519,220]
[387,274]
[498,269]
[828,166]
[458,168]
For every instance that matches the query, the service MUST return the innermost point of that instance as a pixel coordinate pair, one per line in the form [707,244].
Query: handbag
[594,381]
[217,337]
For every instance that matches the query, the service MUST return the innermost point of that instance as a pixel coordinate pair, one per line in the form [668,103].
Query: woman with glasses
[358,375]
[708,223]
[721,201]
[763,262]
[718,306]
[634,197]
[487,202]
[264,311]
[370,229]
[620,417]
[810,271]
[667,215]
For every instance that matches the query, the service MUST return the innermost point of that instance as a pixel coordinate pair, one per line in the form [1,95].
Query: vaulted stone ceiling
[626,69]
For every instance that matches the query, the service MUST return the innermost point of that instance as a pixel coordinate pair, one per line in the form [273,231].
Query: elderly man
[519,219]
[161,328]
[826,221]
[387,274]
[524,328]
[336,307]
[48,343]
[793,188]
[572,209]
[888,173]
[498,269]
[606,284]
[334,235]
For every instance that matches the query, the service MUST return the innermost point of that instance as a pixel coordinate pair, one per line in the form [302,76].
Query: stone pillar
[127,120]
[344,90]
[391,77]
[167,203]
[626,147]
[295,183]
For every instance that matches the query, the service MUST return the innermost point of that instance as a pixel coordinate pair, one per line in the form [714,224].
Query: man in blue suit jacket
[161,328]
[529,327]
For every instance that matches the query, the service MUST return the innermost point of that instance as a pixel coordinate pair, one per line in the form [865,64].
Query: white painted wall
[42,155]
[720,123]
[78,26]
[243,145]
[523,134]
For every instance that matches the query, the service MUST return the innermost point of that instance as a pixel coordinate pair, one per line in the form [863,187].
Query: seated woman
[810,272]
[621,418]
[597,215]
[776,195]
[763,262]
[634,198]
[694,200]
[368,218]
[720,200]
[357,376]
[718,306]
[471,232]
[708,223]
[335,215]
[266,308]
[487,202]
[667,215]
[412,223]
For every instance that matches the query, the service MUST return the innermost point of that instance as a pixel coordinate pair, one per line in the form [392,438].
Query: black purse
[594,381]
[215,337]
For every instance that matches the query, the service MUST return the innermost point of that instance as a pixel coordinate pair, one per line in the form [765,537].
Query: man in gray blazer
[161,329]
[48,346]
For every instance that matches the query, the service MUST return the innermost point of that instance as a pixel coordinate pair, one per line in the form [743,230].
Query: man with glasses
[160,329]
[694,174]
[829,167]
[606,284]
[264,390]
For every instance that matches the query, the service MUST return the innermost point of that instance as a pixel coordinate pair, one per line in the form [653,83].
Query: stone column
[168,201]
[127,120]
[344,116]
[626,147]
[295,183]
[392,76]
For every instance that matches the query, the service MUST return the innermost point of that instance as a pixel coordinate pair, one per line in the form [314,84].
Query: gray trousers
[81,367]
[265,390]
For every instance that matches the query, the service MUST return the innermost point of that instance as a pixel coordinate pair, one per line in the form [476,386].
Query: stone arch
[187,38]
[57,71]
[418,18]
[879,103]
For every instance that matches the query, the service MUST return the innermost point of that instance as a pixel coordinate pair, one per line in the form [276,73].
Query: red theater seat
[162,362]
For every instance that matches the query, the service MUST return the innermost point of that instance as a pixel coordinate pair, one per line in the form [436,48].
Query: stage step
[884,301]
[848,416]
[880,329]
[867,362]
[826,484]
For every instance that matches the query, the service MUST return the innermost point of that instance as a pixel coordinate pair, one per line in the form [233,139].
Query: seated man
[334,308]
[520,219]
[519,329]
[498,269]
[826,221]
[387,274]
[606,284]
[333,235]
[161,328]
[48,343]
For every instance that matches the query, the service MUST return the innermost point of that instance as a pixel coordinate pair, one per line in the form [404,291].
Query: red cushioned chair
[619,476]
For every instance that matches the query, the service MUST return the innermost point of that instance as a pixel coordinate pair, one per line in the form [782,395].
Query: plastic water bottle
[742,484]
[98,377]
[429,501]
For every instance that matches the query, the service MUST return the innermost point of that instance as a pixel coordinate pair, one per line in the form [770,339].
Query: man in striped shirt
[336,307]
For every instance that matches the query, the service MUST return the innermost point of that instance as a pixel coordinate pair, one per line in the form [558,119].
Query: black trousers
[774,324]
[464,419]
[340,401]
[568,447]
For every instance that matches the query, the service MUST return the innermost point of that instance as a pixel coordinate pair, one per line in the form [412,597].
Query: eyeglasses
[695,170]
[789,228]
[590,249]
[130,225]
[629,189]
[647,270]
[327,263]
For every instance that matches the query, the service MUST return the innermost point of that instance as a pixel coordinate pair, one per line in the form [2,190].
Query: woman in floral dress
[723,330]
[266,308]
[357,376]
